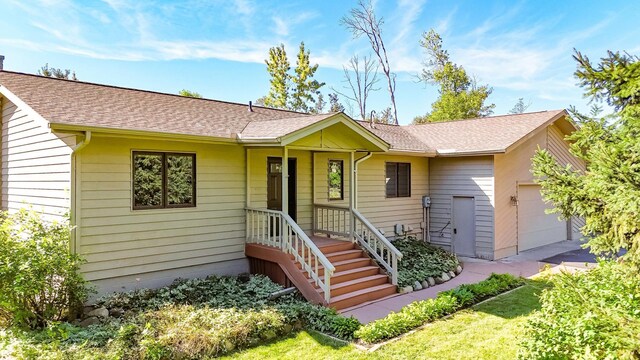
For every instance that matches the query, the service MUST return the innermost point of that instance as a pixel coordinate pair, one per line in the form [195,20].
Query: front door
[274,185]
[464,226]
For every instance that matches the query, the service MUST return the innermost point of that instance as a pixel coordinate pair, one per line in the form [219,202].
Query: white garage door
[535,228]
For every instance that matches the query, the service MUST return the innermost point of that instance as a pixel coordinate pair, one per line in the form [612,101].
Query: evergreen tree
[460,96]
[607,195]
[189,93]
[304,85]
[297,92]
[334,103]
[57,73]
[520,107]
[278,68]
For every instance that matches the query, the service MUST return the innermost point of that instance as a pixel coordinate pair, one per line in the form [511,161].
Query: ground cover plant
[193,318]
[421,260]
[421,312]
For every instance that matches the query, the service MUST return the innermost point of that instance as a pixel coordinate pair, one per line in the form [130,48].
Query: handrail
[277,229]
[377,245]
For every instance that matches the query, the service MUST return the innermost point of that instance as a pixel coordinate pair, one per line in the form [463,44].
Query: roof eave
[455,153]
[60,127]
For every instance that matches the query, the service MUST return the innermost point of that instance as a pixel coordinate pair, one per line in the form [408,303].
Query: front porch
[302,223]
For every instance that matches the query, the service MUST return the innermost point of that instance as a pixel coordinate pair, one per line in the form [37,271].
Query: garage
[535,227]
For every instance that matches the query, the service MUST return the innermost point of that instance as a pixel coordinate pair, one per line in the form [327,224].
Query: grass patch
[490,330]
[447,302]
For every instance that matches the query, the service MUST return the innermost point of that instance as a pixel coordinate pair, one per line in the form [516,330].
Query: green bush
[587,315]
[447,302]
[188,332]
[421,261]
[39,277]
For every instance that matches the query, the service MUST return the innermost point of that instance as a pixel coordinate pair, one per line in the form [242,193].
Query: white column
[285,180]
[352,194]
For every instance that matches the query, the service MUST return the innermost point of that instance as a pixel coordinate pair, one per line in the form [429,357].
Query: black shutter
[392,179]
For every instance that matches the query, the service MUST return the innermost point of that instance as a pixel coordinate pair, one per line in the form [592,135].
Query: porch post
[285,180]
[314,217]
[352,195]
[248,177]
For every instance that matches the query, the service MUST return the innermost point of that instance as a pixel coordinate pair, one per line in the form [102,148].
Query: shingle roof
[93,105]
[484,135]
[280,127]
[398,137]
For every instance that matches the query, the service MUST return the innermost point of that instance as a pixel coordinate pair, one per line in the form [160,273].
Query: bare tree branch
[360,75]
[362,21]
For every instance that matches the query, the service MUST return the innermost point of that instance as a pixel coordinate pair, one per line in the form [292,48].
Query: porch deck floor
[321,241]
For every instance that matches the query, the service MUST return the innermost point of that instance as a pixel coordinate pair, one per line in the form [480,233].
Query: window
[163,180]
[336,180]
[398,179]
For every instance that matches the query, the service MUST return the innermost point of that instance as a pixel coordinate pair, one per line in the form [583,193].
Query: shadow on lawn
[325,340]
[519,302]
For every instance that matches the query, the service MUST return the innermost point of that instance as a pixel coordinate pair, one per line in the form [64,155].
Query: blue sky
[217,48]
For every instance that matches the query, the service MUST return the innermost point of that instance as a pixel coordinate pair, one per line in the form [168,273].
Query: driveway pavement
[526,264]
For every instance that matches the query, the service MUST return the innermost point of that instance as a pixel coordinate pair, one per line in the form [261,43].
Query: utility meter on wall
[426,201]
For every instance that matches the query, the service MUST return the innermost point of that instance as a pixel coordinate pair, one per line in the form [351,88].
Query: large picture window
[398,179]
[163,180]
[336,180]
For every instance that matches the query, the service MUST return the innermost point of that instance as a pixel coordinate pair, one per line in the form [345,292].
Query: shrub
[447,302]
[188,332]
[421,261]
[39,277]
[587,315]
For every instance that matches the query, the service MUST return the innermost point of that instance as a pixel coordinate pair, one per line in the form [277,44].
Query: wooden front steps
[357,279]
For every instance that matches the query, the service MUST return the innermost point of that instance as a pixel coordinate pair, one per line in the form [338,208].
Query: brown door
[274,185]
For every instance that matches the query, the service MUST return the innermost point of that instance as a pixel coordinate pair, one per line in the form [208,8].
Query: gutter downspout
[355,177]
[74,208]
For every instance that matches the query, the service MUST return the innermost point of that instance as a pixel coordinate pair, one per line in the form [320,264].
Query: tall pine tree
[460,96]
[297,92]
[278,68]
[607,195]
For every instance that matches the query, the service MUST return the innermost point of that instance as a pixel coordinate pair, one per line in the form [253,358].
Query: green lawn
[487,331]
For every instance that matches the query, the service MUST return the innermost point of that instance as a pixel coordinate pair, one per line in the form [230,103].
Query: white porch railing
[273,228]
[332,220]
[377,245]
[337,220]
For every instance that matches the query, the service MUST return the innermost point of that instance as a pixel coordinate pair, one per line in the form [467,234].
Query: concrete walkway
[526,264]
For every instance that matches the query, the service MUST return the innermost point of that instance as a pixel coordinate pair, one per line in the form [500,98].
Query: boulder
[425,284]
[102,313]
[116,312]
[445,277]
[452,274]
[417,286]
[89,321]
[431,281]
[439,280]
[406,289]
[458,269]
[88,309]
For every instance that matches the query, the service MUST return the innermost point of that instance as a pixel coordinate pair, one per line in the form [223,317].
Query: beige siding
[258,182]
[36,164]
[511,169]
[560,149]
[463,176]
[514,168]
[150,247]
[385,212]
